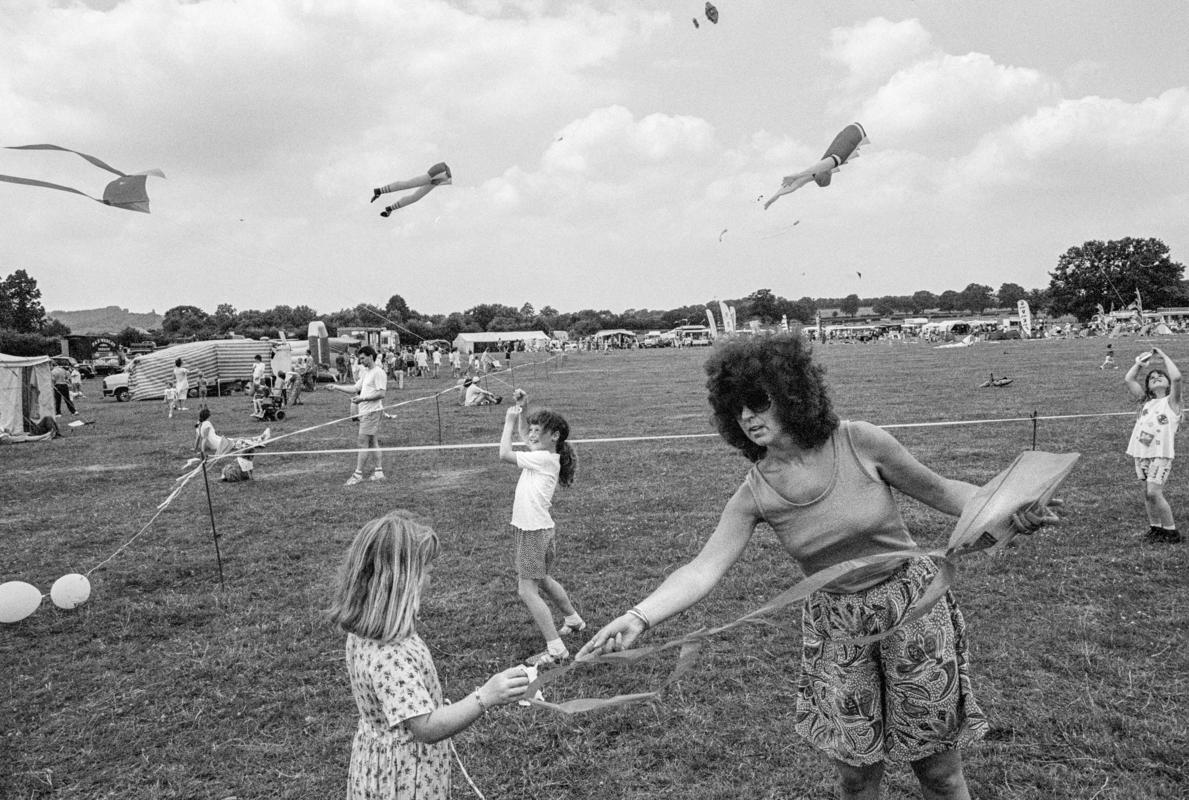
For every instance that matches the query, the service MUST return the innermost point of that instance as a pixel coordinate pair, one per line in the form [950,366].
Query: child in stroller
[266,404]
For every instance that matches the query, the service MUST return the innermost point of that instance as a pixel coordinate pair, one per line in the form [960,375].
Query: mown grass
[168,685]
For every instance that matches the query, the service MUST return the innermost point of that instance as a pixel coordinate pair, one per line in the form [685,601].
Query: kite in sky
[712,13]
[126,191]
[843,148]
[438,175]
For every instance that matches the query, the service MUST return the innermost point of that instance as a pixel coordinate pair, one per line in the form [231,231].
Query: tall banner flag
[710,322]
[784,323]
[725,313]
[1025,318]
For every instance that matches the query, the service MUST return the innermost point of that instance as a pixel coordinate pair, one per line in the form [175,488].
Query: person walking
[368,398]
[60,378]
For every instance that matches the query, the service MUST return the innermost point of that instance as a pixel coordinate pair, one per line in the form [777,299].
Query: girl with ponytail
[548,461]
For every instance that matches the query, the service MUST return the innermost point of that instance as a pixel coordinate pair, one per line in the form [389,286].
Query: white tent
[26,391]
[469,342]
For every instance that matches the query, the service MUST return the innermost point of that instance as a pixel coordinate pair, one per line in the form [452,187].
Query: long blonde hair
[379,583]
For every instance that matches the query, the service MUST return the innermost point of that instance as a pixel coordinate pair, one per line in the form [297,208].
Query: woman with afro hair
[825,487]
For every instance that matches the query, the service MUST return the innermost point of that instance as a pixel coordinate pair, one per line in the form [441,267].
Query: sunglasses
[755,400]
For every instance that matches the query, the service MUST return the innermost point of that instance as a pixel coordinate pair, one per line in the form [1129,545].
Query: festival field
[166,684]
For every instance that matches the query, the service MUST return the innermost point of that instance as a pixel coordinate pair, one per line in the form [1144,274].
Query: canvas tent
[222,361]
[468,343]
[26,391]
[618,336]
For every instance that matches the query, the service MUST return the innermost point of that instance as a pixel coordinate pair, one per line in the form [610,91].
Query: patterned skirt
[901,698]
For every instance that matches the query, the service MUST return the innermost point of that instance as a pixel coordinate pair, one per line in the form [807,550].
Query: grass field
[167,685]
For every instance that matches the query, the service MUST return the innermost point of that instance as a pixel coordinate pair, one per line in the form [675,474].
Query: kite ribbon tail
[46,185]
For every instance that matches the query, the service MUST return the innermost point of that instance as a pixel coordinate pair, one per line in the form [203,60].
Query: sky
[605,155]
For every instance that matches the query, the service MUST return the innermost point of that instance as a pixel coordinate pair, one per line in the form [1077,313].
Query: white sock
[556,647]
[574,620]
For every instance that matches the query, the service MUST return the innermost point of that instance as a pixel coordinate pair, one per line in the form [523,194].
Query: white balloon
[18,600]
[70,591]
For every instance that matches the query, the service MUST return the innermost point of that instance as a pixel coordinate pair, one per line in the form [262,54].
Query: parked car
[69,363]
[107,365]
[116,385]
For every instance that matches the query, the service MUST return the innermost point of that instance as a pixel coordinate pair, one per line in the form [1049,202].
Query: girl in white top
[1152,437]
[549,461]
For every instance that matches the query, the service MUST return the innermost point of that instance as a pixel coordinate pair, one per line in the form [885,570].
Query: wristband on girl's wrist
[479,700]
[640,615]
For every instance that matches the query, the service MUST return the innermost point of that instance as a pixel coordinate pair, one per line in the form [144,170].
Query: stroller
[271,409]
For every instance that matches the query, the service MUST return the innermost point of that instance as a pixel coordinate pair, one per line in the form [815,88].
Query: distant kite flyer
[437,175]
[844,147]
[126,191]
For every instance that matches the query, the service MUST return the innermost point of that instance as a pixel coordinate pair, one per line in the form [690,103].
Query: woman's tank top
[855,516]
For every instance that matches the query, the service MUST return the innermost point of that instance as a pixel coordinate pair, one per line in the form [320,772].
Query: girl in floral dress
[400,750]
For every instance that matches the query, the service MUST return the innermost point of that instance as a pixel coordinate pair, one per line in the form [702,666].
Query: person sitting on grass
[209,443]
[476,395]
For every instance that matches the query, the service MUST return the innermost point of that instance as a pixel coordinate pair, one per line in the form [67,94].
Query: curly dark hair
[552,422]
[742,371]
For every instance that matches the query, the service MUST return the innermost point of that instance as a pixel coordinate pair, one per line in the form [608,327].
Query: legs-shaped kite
[438,175]
[126,191]
[848,140]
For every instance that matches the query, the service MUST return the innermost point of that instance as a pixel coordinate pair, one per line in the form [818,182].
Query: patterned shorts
[535,552]
[898,699]
[1153,470]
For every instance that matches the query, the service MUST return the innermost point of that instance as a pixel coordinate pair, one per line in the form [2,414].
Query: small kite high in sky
[712,13]
[843,148]
[126,191]
[438,175]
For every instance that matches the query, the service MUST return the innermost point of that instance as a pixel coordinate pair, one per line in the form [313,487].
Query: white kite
[842,149]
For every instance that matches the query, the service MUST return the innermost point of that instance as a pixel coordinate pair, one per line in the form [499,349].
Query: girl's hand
[1143,358]
[1029,520]
[513,412]
[505,687]
[519,396]
[616,635]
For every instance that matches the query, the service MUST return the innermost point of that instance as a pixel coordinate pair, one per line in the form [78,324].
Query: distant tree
[850,305]
[949,300]
[182,322]
[919,301]
[975,297]
[885,306]
[397,308]
[548,311]
[54,327]
[1010,294]
[130,336]
[762,305]
[527,312]
[20,303]
[223,320]
[484,313]
[1110,273]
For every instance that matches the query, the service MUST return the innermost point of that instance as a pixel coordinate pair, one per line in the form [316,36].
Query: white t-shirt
[1154,431]
[371,381]
[539,471]
[257,372]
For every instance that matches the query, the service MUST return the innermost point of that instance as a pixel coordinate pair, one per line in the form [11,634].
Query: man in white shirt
[368,397]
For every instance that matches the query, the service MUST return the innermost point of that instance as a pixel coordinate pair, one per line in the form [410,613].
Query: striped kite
[437,175]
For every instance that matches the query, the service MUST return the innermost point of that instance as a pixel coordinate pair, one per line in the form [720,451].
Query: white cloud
[873,50]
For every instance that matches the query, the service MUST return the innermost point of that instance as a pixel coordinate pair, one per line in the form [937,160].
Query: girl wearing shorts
[1152,437]
[548,461]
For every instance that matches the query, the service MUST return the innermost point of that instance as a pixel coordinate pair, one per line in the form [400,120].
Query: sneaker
[354,479]
[547,659]
[378,476]
[1158,535]
[567,629]
[376,195]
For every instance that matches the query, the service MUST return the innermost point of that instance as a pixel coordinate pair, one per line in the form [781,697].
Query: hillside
[111,319]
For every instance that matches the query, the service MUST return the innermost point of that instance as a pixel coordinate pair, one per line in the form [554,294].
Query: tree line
[1092,274]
